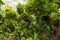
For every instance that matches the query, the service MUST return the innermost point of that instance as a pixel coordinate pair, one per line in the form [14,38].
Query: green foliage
[31,21]
[9,12]
[41,7]
[2,15]
[20,8]
[1,2]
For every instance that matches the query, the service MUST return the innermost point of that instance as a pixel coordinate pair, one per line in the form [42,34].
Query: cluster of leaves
[29,22]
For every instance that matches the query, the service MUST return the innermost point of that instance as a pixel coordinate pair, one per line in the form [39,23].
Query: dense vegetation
[37,20]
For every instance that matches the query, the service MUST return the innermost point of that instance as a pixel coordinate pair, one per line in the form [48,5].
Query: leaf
[1,2]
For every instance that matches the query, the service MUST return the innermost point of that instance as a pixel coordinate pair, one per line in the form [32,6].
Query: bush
[37,20]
